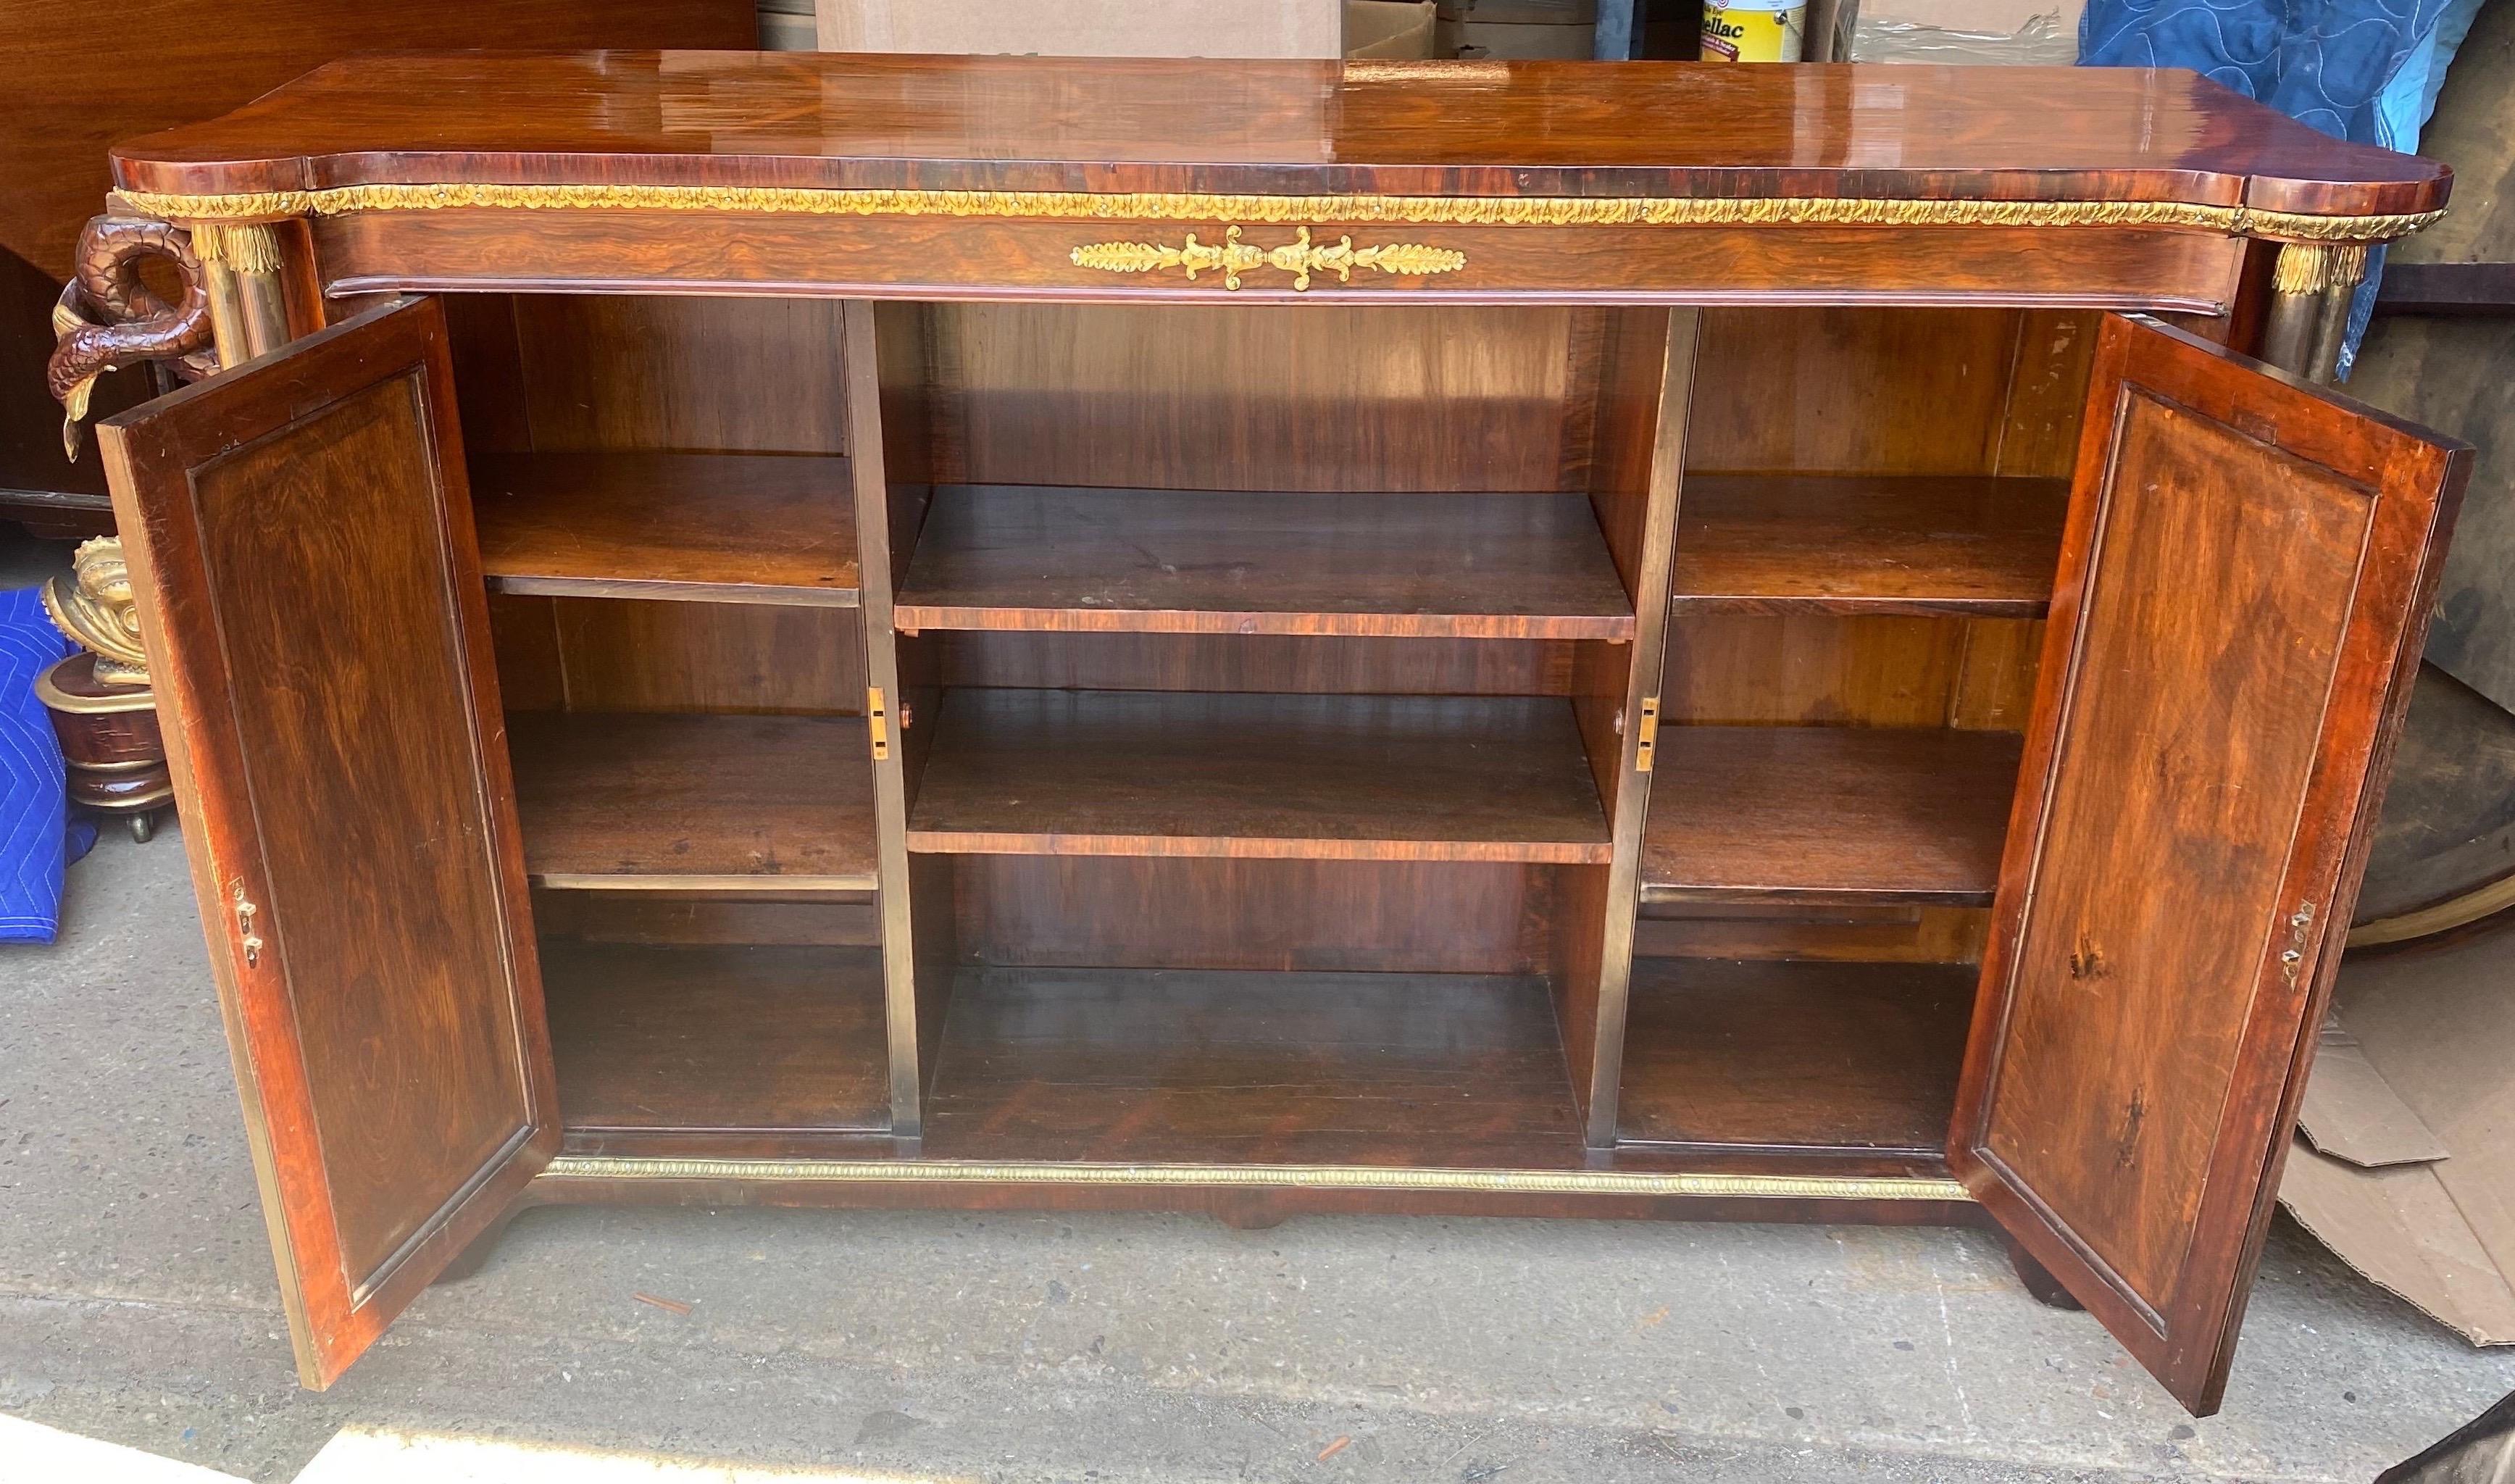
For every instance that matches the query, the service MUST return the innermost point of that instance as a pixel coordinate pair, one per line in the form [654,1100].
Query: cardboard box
[1997,32]
[1084,27]
[1522,12]
[2405,1158]
[1388,30]
[1514,43]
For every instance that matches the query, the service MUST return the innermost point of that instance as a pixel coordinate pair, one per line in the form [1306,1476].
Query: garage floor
[137,1305]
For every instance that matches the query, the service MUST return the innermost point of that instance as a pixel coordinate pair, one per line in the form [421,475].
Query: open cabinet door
[2243,589]
[301,541]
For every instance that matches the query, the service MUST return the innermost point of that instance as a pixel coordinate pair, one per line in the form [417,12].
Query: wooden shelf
[1819,1056]
[705,527]
[1151,1065]
[1204,562]
[617,800]
[1827,815]
[1101,772]
[1984,548]
[733,1038]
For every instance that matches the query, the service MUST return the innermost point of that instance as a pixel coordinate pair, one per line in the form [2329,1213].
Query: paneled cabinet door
[300,538]
[2243,589]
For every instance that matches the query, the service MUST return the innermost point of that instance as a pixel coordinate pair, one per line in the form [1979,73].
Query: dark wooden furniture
[103,713]
[77,86]
[111,743]
[1273,637]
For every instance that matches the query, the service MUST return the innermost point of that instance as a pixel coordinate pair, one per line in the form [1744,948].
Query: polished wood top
[1278,128]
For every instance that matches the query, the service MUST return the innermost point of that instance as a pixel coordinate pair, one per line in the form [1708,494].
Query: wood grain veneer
[677,252]
[1411,399]
[1318,664]
[2178,759]
[1827,815]
[696,801]
[1798,1056]
[1278,128]
[1317,1068]
[846,324]
[664,372]
[1198,562]
[704,528]
[310,510]
[717,1038]
[1958,545]
[1246,913]
[629,654]
[1347,777]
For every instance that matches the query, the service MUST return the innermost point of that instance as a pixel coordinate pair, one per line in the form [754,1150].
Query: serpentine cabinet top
[1475,141]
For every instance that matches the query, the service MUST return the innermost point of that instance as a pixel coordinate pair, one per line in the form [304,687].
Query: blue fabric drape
[35,832]
[2367,70]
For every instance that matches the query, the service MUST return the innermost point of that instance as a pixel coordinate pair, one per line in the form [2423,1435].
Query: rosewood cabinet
[1268,638]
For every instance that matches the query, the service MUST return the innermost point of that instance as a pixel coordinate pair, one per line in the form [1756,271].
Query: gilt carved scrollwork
[107,315]
[94,605]
[1299,258]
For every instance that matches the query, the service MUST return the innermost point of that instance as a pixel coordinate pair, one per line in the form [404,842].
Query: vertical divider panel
[885,354]
[1631,470]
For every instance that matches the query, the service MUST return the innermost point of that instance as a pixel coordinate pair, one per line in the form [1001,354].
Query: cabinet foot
[1248,1210]
[477,1255]
[2039,1280]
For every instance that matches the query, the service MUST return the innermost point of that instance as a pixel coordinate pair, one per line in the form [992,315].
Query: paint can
[1755,30]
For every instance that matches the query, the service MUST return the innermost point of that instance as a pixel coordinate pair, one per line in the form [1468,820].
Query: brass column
[2310,292]
[248,288]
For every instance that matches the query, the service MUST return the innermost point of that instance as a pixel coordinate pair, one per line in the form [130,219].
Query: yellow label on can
[1753,30]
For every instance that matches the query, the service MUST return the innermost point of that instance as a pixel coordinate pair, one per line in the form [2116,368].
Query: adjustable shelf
[1096,772]
[1827,815]
[717,1038]
[1971,547]
[613,801]
[1794,1055]
[1150,1065]
[1202,561]
[703,527]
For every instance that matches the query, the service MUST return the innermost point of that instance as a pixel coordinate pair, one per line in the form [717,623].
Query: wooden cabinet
[863,632]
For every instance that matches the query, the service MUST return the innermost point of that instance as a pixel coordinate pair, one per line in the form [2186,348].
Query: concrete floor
[137,1305]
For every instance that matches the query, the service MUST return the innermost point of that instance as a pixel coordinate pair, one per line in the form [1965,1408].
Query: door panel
[2242,591]
[301,540]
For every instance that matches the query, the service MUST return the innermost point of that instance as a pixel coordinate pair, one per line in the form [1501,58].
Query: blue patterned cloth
[2367,70]
[35,832]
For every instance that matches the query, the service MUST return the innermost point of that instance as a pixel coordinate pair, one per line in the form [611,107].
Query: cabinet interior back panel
[1890,391]
[1293,397]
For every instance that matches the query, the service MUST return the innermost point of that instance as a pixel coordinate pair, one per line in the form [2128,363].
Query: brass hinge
[1647,746]
[246,938]
[877,723]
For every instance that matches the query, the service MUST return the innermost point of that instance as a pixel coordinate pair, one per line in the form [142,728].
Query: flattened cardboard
[2436,1029]
[2399,1227]
[1085,27]
[1387,30]
[1514,43]
[2352,1113]
[1522,12]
